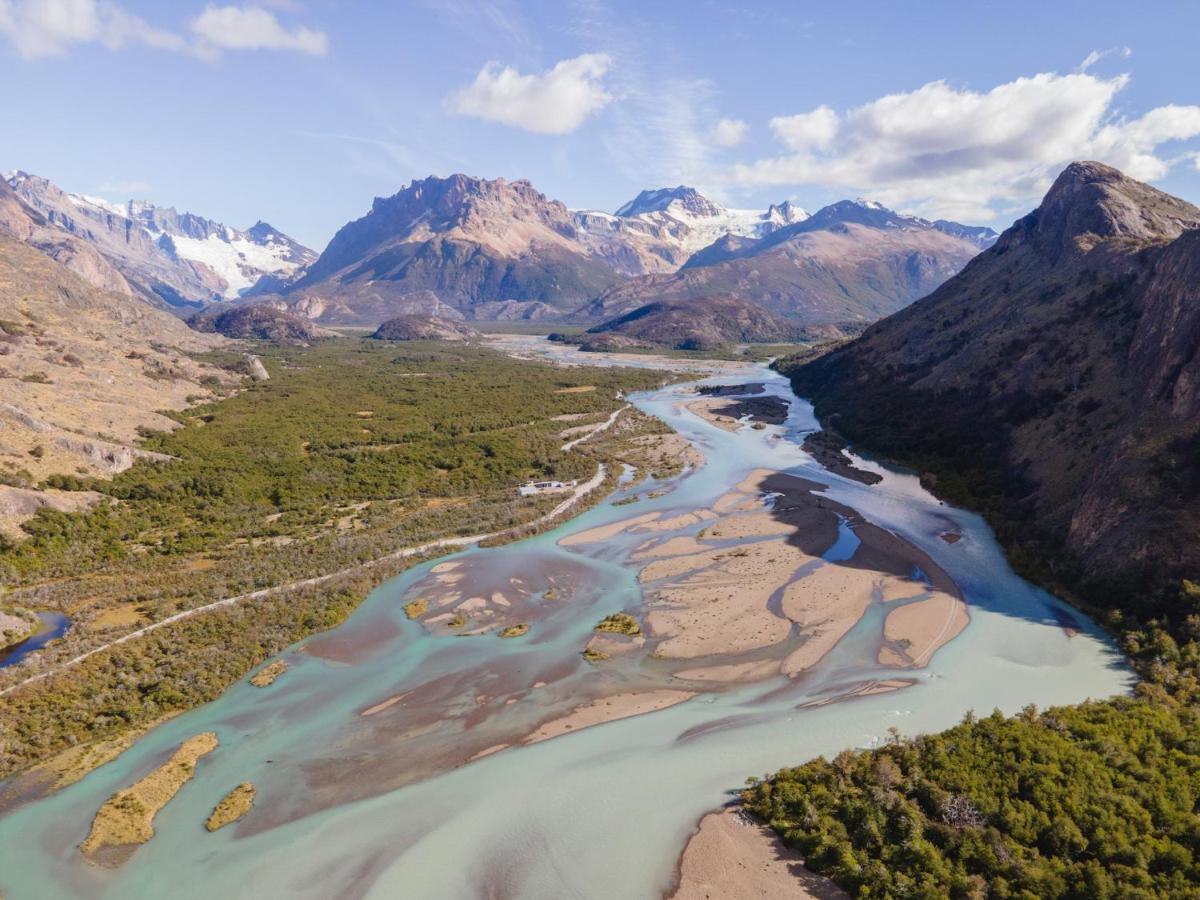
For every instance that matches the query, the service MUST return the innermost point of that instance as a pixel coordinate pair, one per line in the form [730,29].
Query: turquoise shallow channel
[355,806]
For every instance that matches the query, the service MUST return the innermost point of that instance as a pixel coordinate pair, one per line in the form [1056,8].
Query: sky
[299,112]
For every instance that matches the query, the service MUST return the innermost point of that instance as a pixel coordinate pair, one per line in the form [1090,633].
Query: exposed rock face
[849,263]
[1057,378]
[704,323]
[82,370]
[423,328]
[259,321]
[170,258]
[467,240]
[23,223]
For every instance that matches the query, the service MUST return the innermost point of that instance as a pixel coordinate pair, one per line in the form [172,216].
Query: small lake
[54,625]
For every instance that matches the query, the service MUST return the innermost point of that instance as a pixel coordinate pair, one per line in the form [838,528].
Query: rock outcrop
[1055,383]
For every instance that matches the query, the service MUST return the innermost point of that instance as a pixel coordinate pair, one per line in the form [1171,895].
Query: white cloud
[806,131]
[555,102]
[252,28]
[39,28]
[728,132]
[947,151]
[1096,55]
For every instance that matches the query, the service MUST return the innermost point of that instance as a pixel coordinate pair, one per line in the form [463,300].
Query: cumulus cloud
[728,132]
[42,28]
[39,28]
[806,131]
[943,150]
[555,102]
[253,28]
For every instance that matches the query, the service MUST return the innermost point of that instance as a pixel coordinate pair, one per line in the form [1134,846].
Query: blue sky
[300,111]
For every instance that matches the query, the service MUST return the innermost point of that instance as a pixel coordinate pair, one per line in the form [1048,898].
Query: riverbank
[383,803]
[733,855]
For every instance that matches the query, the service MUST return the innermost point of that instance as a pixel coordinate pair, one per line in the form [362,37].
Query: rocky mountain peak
[1090,201]
[682,198]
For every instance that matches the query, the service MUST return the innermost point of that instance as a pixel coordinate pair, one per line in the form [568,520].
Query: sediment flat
[608,709]
[734,855]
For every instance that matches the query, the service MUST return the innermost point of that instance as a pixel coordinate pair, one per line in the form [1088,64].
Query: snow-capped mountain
[658,230]
[851,262]
[172,258]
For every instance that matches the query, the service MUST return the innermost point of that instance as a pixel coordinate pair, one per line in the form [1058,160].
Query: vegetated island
[232,807]
[126,820]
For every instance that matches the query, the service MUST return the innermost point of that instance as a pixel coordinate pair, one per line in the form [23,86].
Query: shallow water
[603,812]
[54,625]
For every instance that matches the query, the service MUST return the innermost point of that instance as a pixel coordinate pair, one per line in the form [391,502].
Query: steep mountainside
[852,262]
[659,230]
[702,323]
[170,258]
[83,370]
[258,321]
[467,240]
[19,221]
[1055,383]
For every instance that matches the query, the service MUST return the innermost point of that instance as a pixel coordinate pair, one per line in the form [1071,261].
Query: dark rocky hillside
[1054,384]
[259,321]
[423,328]
[704,323]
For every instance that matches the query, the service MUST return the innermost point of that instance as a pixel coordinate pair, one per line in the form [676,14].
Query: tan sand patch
[734,672]
[924,626]
[606,532]
[675,546]
[386,704]
[706,409]
[608,709]
[734,855]
[722,606]
[826,603]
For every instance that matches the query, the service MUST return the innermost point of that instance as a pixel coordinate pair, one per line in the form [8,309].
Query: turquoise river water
[599,813]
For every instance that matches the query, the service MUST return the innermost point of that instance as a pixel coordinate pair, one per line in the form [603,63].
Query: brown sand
[733,672]
[922,627]
[735,856]
[707,410]
[826,603]
[606,532]
[608,709]
[722,604]
[385,704]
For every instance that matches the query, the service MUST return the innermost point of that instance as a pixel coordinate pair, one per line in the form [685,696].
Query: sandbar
[608,709]
[921,627]
[735,855]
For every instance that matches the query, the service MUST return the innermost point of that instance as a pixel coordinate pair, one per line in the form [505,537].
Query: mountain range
[501,250]
[1055,384]
[466,248]
[169,258]
[849,263]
